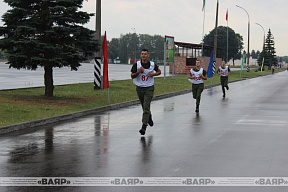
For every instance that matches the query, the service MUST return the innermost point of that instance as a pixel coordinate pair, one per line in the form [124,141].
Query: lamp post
[134,45]
[248,52]
[264,35]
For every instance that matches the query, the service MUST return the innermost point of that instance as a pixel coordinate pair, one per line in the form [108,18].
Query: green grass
[22,105]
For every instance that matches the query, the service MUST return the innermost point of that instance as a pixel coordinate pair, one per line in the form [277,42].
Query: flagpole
[227,36]
[108,96]
[165,59]
[215,39]
[203,32]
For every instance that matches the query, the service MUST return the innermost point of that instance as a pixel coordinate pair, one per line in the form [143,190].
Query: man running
[143,74]
[196,77]
[224,72]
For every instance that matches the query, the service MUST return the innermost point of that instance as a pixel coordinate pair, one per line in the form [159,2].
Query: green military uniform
[198,88]
[224,78]
[145,88]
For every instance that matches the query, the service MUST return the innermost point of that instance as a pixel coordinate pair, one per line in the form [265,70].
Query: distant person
[224,72]
[143,74]
[196,77]
[273,68]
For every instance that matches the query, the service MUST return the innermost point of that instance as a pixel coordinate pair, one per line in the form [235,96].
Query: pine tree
[269,52]
[46,33]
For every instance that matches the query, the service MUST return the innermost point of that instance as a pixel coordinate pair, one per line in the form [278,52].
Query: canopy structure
[186,55]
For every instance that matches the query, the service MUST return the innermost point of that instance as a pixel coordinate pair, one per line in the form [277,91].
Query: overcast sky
[183,19]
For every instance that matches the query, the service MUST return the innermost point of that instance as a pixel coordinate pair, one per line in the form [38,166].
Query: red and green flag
[243,59]
[203,5]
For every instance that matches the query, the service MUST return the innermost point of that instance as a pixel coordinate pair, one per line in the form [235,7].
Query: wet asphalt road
[243,135]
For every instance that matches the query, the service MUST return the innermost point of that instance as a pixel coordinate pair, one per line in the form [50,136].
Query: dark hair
[145,50]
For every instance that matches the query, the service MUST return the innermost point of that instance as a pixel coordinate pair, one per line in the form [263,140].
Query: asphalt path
[243,135]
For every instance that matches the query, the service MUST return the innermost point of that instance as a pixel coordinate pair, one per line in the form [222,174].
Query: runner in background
[224,72]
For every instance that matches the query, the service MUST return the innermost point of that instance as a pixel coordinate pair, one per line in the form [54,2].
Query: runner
[224,72]
[196,77]
[143,77]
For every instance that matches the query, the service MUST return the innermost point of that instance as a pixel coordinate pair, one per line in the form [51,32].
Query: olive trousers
[145,95]
[197,89]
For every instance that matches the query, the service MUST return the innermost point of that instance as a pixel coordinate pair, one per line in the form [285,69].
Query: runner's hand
[141,70]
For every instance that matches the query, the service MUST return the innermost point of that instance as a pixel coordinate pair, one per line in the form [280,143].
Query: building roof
[194,46]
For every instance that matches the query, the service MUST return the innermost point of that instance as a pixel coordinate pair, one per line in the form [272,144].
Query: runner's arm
[204,76]
[228,72]
[158,72]
[191,76]
[134,72]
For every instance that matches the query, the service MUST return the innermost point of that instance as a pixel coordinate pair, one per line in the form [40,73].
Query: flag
[227,15]
[210,67]
[262,64]
[243,59]
[105,63]
[203,5]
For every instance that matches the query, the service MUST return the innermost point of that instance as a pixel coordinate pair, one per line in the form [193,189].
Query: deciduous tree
[235,42]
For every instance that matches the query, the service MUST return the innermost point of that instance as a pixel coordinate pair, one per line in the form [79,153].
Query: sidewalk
[15,79]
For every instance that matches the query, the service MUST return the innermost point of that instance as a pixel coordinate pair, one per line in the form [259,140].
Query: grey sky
[183,19]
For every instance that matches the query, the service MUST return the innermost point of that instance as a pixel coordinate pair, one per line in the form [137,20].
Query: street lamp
[264,35]
[248,52]
[134,44]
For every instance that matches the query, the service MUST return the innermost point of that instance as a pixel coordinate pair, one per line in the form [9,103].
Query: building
[186,55]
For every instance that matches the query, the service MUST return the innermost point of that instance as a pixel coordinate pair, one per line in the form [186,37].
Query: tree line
[235,46]
[129,46]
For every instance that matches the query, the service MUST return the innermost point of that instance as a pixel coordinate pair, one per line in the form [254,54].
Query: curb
[50,120]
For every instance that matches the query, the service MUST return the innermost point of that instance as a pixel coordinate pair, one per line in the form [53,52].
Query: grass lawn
[22,105]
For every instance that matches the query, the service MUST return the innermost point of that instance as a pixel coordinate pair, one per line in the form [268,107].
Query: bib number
[145,77]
